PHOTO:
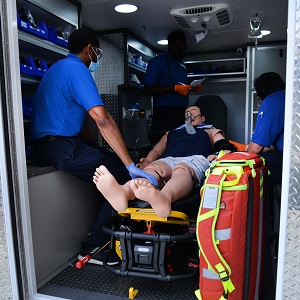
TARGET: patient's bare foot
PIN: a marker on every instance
(146, 191)
(115, 194)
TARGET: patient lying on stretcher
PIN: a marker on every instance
(178, 162)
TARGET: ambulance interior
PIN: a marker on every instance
(224, 46)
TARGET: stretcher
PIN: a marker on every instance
(154, 247)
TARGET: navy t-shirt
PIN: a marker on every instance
(182, 144)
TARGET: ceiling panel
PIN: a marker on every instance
(152, 21)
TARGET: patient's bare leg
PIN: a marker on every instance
(117, 195)
(179, 186)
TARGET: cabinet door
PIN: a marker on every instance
(216, 67)
(264, 59)
(136, 118)
(269, 59)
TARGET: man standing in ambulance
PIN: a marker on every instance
(66, 93)
(166, 81)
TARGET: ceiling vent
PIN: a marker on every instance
(205, 16)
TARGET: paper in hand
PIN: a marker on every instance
(197, 82)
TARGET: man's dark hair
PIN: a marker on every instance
(80, 38)
(197, 105)
(176, 35)
(268, 83)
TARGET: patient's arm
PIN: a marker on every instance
(155, 153)
(215, 135)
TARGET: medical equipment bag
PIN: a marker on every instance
(231, 228)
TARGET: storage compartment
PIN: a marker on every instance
(138, 56)
(54, 37)
(218, 67)
(41, 29)
(136, 116)
(27, 65)
(63, 209)
(41, 67)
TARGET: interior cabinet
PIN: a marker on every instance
(43, 32)
(38, 50)
(216, 67)
(136, 107)
(123, 95)
(138, 56)
(261, 60)
(136, 116)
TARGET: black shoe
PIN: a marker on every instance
(105, 255)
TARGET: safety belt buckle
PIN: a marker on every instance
(223, 278)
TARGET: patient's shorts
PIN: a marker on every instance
(198, 162)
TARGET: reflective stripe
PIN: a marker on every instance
(210, 274)
(261, 207)
(198, 294)
(223, 234)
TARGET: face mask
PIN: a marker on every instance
(93, 65)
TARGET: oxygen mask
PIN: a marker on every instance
(193, 117)
(188, 126)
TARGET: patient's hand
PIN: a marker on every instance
(139, 164)
(212, 157)
(143, 163)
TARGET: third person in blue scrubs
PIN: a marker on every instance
(166, 81)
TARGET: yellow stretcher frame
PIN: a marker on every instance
(148, 214)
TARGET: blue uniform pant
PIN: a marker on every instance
(80, 158)
(273, 161)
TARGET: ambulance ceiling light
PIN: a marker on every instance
(194, 20)
(163, 42)
(265, 32)
(206, 18)
(126, 8)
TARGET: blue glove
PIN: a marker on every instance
(135, 172)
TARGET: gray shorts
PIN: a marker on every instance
(198, 162)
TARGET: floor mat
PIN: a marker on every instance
(102, 283)
(94, 282)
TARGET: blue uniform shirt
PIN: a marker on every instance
(66, 92)
(270, 121)
(164, 70)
